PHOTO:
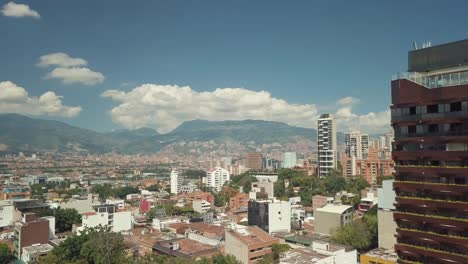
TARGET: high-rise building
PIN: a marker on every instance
(326, 141)
(216, 178)
(31, 230)
(289, 160)
(356, 145)
(176, 181)
(430, 119)
(364, 145)
(255, 161)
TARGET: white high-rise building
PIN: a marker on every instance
(216, 178)
(289, 160)
(327, 152)
(356, 145)
(176, 181)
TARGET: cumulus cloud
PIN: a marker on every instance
(60, 59)
(76, 75)
(164, 107)
(12, 9)
(15, 99)
(349, 100)
(69, 70)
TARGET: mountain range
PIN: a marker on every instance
(197, 137)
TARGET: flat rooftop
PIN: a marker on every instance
(382, 253)
(302, 256)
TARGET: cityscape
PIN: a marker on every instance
(201, 143)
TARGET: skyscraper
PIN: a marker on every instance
(326, 142)
(356, 145)
(430, 120)
(176, 181)
(216, 178)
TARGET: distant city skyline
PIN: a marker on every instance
(110, 65)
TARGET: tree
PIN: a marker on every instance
(361, 234)
(103, 190)
(153, 188)
(228, 259)
(65, 218)
(278, 249)
(6, 256)
(95, 245)
(334, 184)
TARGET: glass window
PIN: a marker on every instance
(431, 109)
(455, 107)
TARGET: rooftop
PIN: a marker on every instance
(334, 208)
(302, 256)
(382, 254)
(187, 248)
(38, 248)
(253, 235)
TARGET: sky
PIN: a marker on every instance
(107, 65)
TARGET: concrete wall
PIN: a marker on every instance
(387, 229)
(122, 221)
(236, 248)
(279, 218)
(326, 222)
(386, 195)
(7, 215)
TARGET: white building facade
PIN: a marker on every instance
(176, 181)
(216, 178)
(326, 142)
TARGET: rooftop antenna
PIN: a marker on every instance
(415, 45)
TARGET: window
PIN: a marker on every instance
(412, 110)
(432, 109)
(456, 127)
(455, 107)
(411, 130)
(433, 128)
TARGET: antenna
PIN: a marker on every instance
(415, 45)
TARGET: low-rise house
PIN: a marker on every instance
(201, 206)
(107, 215)
(332, 217)
(248, 245)
(184, 248)
(32, 253)
(29, 231)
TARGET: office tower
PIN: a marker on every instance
(326, 142)
(255, 161)
(176, 181)
(289, 160)
(430, 120)
(216, 178)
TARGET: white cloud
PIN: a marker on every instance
(15, 99)
(164, 107)
(76, 75)
(12, 9)
(69, 70)
(348, 101)
(60, 59)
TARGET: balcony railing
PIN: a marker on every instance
(417, 198)
(459, 256)
(431, 186)
(461, 238)
(434, 81)
(439, 218)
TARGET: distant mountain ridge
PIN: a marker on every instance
(21, 133)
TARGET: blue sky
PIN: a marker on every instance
(309, 56)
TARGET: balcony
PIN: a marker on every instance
(425, 235)
(432, 203)
(434, 81)
(432, 170)
(435, 187)
(456, 223)
(430, 155)
(412, 250)
(432, 117)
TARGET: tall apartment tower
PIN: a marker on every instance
(430, 120)
(357, 145)
(176, 181)
(326, 142)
